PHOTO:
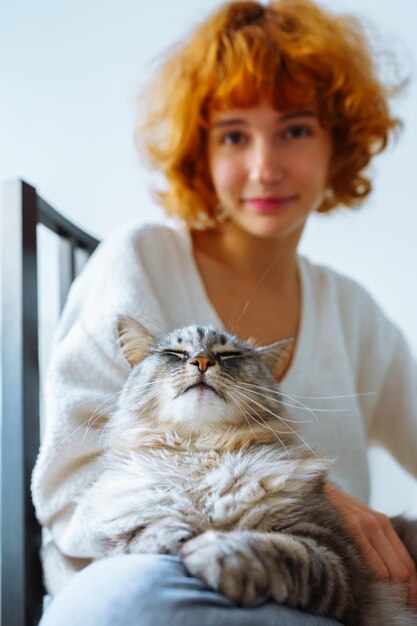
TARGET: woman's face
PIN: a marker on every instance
(269, 169)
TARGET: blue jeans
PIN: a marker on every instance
(155, 590)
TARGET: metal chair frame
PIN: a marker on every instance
(22, 211)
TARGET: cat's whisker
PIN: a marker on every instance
(145, 390)
(252, 410)
(241, 409)
(137, 402)
(97, 413)
(283, 419)
(299, 405)
(102, 434)
(339, 397)
(95, 417)
(112, 396)
(250, 390)
(70, 434)
(106, 397)
(145, 402)
(279, 417)
(146, 387)
(146, 405)
(228, 382)
(267, 426)
(85, 423)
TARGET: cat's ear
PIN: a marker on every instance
(135, 340)
(277, 356)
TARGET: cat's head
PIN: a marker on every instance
(198, 378)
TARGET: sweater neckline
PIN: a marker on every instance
(300, 352)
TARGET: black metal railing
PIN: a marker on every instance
(23, 210)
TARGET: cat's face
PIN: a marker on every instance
(194, 378)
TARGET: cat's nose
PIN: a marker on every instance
(203, 362)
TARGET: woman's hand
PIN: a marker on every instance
(382, 549)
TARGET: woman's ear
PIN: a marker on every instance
(134, 339)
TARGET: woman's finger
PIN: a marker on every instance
(381, 547)
(386, 555)
(388, 545)
(370, 552)
(399, 562)
(407, 573)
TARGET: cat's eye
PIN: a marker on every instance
(224, 356)
(180, 354)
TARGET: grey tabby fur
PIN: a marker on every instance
(198, 464)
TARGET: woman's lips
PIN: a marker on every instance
(269, 204)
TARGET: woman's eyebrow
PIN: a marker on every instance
(283, 117)
(229, 122)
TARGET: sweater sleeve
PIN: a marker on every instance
(383, 369)
(394, 420)
(84, 377)
(386, 370)
(81, 387)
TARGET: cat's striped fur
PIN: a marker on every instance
(198, 464)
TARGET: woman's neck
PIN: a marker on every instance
(271, 260)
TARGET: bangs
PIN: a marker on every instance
(251, 67)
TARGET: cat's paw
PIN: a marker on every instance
(165, 536)
(227, 563)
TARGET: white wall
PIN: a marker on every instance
(70, 75)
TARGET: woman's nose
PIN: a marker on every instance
(266, 167)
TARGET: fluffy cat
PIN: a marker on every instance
(198, 464)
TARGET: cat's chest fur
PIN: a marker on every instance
(246, 489)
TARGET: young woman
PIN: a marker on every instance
(263, 116)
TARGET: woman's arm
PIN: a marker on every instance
(85, 375)
(81, 389)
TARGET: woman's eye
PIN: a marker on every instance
(233, 138)
(297, 132)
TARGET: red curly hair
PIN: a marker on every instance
(295, 54)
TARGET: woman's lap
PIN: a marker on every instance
(153, 590)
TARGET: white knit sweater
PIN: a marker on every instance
(351, 365)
